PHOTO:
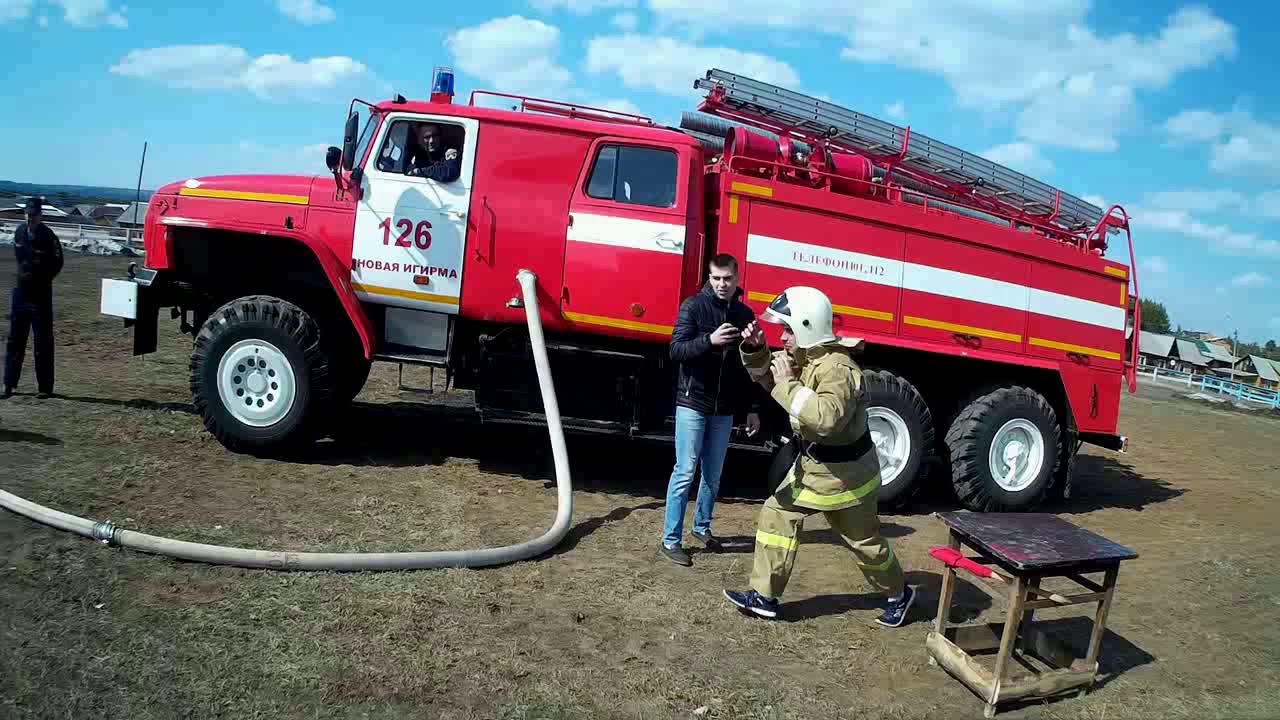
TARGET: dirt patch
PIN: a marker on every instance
(600, 628)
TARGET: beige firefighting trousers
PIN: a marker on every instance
(778, 540)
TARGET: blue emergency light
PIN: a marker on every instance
(442, 85)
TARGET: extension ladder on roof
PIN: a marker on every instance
(951, 170)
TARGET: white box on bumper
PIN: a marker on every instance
(120, 298)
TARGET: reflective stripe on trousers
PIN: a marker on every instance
(778, 541)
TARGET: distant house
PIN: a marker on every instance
(1190, 358)
(1170, 353)
(1217, 356)
(133, 215)
(1154, 350)
(16, 210)
(1267, 371)
(97, 214)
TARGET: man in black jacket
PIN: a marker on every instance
(429, 158)
(39, 254)
(711, 388)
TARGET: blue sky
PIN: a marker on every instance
(1168, 110)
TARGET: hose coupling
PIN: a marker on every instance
(104, 532)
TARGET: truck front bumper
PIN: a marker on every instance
(136, 299)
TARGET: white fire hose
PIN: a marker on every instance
(108, 533)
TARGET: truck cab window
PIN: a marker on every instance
(429, 150)
(634, 176)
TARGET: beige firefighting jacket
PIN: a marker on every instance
(826, 403)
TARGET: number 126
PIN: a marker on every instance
(421, 234)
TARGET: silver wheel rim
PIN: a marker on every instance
(892, 440)
(1017, 454)
(256, 383)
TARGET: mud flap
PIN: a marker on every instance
(146, 327)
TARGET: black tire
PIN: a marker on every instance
(297, 336)
(969, 441)
(351, 374)
(892, 392)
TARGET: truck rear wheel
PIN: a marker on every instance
(1005, 448)
(901, 427)
(259, 377)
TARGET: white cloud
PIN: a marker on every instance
(225, 67)
(626, 22)
(255, 157)
(619, 105)
(1021, 156)
(581, 7)
(896, 111)
(669, 66)
(1195, 126)
(307, 12)
(1096, 200)
(1155, 265)
(1250, 280)
(92, 13)
(1219, 237)
(1196, 200)
(513, 54)
(14, 10)
(1268, 204)
(1070, 84)
(1239, 143)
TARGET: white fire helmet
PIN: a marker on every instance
(806, 311)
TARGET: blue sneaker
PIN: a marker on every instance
(896, 611)
(754, 602)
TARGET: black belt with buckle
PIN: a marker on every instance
(839, 453)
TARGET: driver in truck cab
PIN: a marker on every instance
(429, 159)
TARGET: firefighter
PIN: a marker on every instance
(39, 255)
(835, 470)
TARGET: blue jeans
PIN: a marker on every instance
(702, 438)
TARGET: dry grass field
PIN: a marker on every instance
(601, 628)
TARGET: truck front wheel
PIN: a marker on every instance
(259, 377)
(1004, 450)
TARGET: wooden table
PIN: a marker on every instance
(1024, 549)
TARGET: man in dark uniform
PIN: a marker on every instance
(429, 159)
(39, 254)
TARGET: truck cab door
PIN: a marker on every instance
(625, 241)
(410, 231)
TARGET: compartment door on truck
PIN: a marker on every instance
(624, 249)
(411, 227)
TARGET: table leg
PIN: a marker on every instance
(948, 590)
(1028, 618)
(1100, 621)
(1012, 620)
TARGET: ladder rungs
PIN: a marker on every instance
(873, 135)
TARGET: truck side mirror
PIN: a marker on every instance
(332, 157)
(349, 141)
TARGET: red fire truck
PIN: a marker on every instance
(997, 333)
